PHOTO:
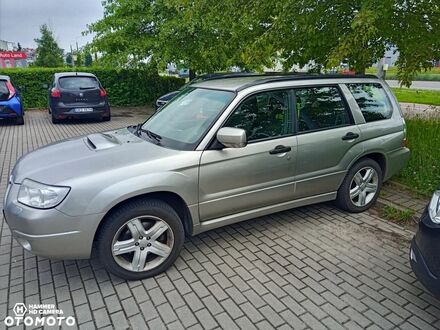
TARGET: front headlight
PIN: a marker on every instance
(41, 196)
(434, 207)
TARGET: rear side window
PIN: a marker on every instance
(372, 100)
(78, 83)
(4, 91)
(319, 108)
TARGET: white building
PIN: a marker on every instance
(7, 45)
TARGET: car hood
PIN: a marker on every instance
(59, 162)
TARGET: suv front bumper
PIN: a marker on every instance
(50, 233)
(425, 255)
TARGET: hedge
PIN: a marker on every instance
(126, 87)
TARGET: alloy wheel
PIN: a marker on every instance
(142, 243)
(364, 186)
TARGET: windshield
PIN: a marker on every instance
(182, 123)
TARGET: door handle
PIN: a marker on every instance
(280, 150)
(350, 136)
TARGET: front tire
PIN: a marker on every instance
(140, 239)
(361, 186)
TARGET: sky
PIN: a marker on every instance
(20, 20)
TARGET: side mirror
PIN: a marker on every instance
(45, 86)
(232, 137)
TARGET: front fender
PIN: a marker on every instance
(96, 198)
(175, 182)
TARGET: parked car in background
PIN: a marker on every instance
(183, 73)
(425, 247)
(77, 95)
(164, 99)
(222, 151)
(11, 106)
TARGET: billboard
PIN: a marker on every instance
(12, 59)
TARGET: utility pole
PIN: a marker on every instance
(71, 55)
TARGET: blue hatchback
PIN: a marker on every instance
(11, 106)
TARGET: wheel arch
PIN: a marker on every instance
(171, 198)
(378, 157)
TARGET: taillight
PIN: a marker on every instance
(102, 92)
(11, 89)
(55, 92)
(405, 139)
(405, 142)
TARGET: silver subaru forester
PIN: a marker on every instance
(223, 150)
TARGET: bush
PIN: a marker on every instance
(127, 87)
(422, 174)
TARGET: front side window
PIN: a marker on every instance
(183, 122)
(372, 101)
(319, 108)
(264, 115)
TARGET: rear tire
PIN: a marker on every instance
(140, 239)
(361, 186)
(107, 118)
(54, 120)
(19, 120)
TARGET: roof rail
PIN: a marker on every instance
(212, 76)
(298, 76)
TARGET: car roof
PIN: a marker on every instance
(73, 74)
(3, 77)
(238, 82)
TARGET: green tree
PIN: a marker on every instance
(88, 60)
(210, 35)
(49, 54)
(69, 59)
(79, 60)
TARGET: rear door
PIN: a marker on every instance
(327, 139)
(79, 90)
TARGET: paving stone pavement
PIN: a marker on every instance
(314, 267)
(398, 196)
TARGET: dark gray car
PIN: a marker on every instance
(222, 151)
(77, 95)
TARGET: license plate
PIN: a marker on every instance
(83, 110)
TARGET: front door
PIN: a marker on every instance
(234, 180)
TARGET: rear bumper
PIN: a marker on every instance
(62, 112)
(396, 160)
(425, 255)
(11, 108)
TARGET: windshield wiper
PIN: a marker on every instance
(91, 87)
(150, 134)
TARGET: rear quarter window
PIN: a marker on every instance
(78, 83)
(372, 100)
